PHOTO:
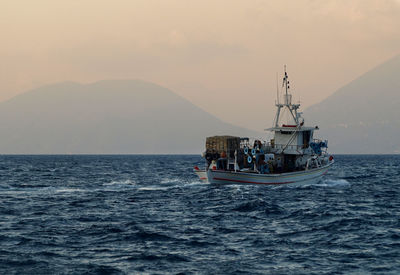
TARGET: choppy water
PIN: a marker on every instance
(151, 215)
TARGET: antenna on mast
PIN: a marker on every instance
(285, 80)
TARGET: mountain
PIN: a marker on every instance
(106, 117)
(363, 116)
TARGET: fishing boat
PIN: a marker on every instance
(292, 156)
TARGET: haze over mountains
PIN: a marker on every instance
(106, 117)
(133, 116)
(363, 116)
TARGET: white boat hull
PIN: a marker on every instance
(202, 174)
(310, 176)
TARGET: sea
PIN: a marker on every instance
(150, 214)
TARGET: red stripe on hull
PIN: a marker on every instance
(242, 181)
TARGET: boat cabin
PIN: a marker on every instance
(291, 140)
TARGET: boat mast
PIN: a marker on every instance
(287, 102)
(277, 103)
(288, 99)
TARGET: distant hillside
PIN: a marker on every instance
(363, 116)
(112, 117)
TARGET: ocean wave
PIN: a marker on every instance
(334, 183)
(154, 188)
(69, 190)
(170, 180)
(120, 183)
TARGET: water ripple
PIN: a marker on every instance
(152, 215)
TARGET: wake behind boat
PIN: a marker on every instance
(291, 156)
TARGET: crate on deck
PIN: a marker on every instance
(221, 144)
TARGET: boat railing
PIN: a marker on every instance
(273, 147)
(270, 147)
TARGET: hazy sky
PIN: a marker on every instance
(223, 55)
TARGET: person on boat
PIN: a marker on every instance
(262, 166)
(214, 155)
(257, 144)
(270, 164)
(279, 165)
(209, 158)
(240, 159)
(258, 155)
(222, 161)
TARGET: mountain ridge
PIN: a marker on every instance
(106, 117)
(363, 116)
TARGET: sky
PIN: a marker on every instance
(222, 55)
